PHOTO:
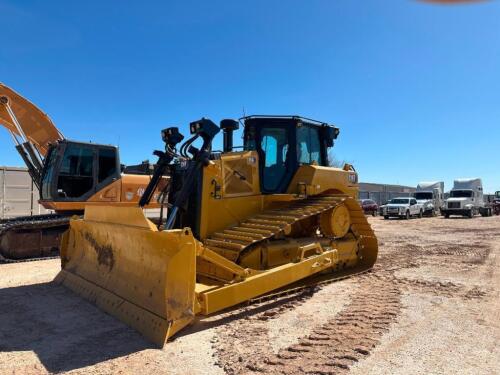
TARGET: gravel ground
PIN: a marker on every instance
(429, 306)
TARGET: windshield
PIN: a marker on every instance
(308, 145)
(399, 201)
(423, 195)
(47, 176)
(76, 172)
(461, 193)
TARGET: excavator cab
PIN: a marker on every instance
(70, 175)
(74, 171)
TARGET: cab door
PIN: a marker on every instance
(277, 164)
(414, 208)
(76, 173)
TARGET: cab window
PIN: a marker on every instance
(76, 173)
(107, 164)
(308, 145)
(48, 173)
(274, 145)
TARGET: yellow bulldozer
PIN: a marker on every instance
(240, 224)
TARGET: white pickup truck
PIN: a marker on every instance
(403, 207)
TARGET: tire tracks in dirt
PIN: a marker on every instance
(330, 348)
(242, 346)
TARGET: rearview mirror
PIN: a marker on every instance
(330, 133)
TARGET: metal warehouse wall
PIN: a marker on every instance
(18, 194)
(381, 193)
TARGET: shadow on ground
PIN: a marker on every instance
(64, 331)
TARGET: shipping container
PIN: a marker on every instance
(18, 194)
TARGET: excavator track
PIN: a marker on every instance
(30, 238)
(234, 241)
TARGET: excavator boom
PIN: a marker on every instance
(25, 120)
(31, 129)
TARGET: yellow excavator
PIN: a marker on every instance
(69, 175)
(240, 224)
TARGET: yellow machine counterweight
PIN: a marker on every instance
(240, 225)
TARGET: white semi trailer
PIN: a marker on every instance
(466, 199)
(431, 196)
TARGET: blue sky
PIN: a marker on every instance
(414, 87)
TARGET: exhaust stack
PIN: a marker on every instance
(228, 126)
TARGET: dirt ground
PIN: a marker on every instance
(431, 305)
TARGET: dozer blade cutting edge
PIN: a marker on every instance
(117, 259)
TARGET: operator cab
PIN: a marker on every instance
(284, 143)
(74, 171)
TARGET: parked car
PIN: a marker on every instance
(403, 207)
(369, 206)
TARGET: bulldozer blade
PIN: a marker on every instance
(118, 260)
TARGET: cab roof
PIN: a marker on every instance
(284, 118)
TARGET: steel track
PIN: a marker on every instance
(10, 261)
(275, 219)
(35, 223)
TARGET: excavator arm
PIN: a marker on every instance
(31, 129)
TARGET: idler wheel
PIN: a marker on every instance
(335, 222)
